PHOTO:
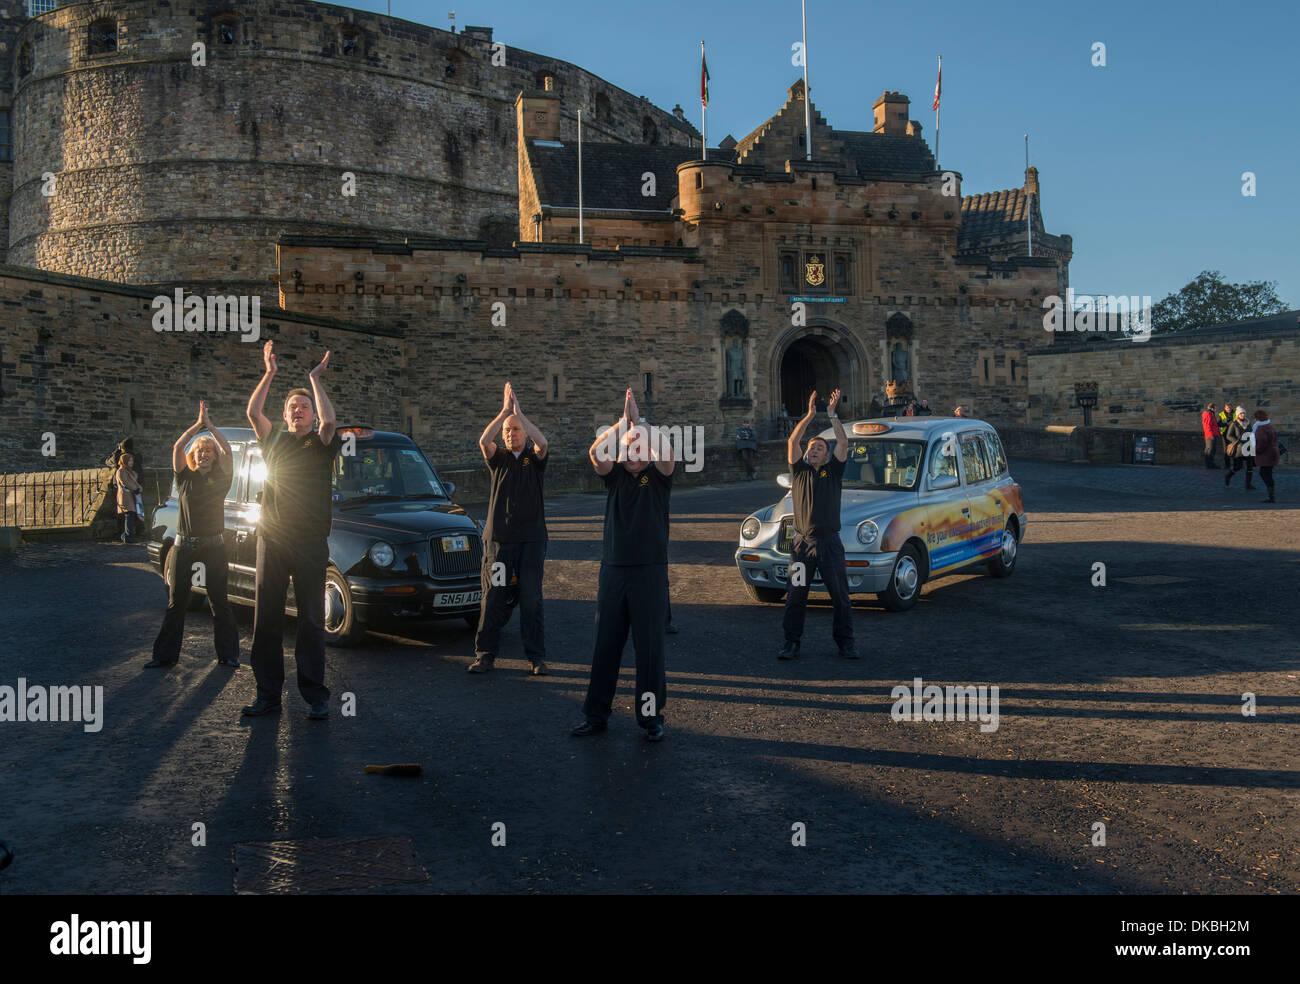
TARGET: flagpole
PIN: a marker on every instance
(579, 177)
(938, 93)
(807, 96)
(704, 112)
(1029, 203)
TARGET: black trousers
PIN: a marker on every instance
(305, 562)
(225, 634)
(1209, 451)
(825, 554)
(1266, 473)
(522, 565)
(1235, 465)
(634, 598)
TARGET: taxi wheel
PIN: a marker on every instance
(904, 581)
(342, 628)
(1004, 561)
(764, 596)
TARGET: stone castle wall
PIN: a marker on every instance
(1164, 383)
(172, 173)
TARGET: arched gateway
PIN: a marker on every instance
(820, 356)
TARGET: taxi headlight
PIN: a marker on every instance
(868, 533)
(749, 528)
(381, 554)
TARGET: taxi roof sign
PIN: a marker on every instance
(360, 433)
(871, 428)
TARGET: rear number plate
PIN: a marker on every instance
(451, 544)
(455, 599)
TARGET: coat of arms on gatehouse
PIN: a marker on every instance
(815, 271)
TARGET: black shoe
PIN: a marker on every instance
(319, 711)
(232, 663)
(849, 652)
(482, 664)
(589, 727)
(259, 707)
(1249, 486)
(670, 629)
(541, 669)
(789, 651)
(1227, 479)
(655, 732)
(158, 664)
(1270, 499)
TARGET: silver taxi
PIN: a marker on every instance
(922, 497)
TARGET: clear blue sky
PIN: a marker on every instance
(1140, 161)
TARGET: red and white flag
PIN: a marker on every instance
(938, 84)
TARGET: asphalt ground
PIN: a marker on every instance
(1119, 705)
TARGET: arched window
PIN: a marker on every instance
(103, 37)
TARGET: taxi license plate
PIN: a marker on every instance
(455, 599)
(782, 572)
(452, 544)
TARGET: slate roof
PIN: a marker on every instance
(998, 218)
(611, 174)
(885, 153)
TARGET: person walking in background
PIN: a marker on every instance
(1224, 419)
(1266, 450)
(1210, 429)
(128, 495)
(1248, 448)
(1236, 448)
(923, 409)
(747, 444)
(203, 477)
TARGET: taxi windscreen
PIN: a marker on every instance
(387, 471)
(880, 463)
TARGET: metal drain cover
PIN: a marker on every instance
(325, 864)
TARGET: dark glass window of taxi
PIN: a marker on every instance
(882, 464)
(384, 472)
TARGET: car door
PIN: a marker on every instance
(984, 518)
(245, 514)
(231, 510)
(945, 510)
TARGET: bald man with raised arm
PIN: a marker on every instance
(815, 483)
(514, 536)
(636, 464)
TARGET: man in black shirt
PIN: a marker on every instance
(202, 482)
(815, 482)
(292, 539)
(633, 588)
(514, 538)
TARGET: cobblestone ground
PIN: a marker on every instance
(1120, 705)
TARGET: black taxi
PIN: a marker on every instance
(399, 547)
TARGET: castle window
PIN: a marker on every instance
(787, 263)
(1013, 370)
(6, 137)
(699, 179)
(224, 27)
(35, 7)
(649, 131)
(350, 44)
(103, 37)
(986, 370)
(25, 60)
(649, 380)
(603, 112)
(555, 387)
(843, 272)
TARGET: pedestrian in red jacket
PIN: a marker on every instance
(1210, 428)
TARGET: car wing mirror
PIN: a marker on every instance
(941, 482)
(783, 480)
(451, 488)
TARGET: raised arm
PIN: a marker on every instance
(222, 444)
(178, 449)
(530, 428)
(841, 439)
(604, 450)
(661, 451)
(262, 426)
(487, 441)
(792, 451)
(324, 409)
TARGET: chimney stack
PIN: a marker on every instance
(891, 113)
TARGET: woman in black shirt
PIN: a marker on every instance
(199, 556)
